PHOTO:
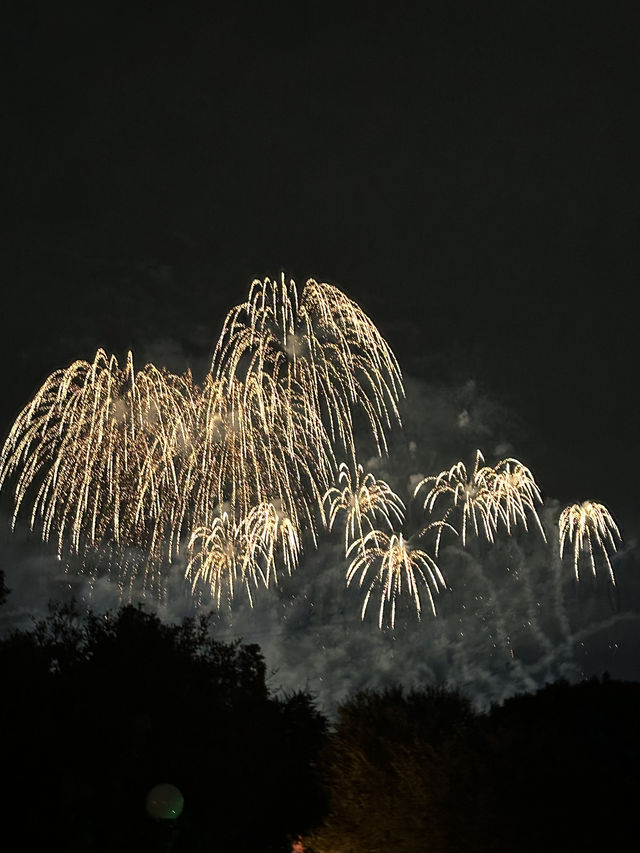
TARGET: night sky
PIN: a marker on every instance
(469, 177)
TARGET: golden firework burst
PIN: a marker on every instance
(223, 555)
(586, 525)
(487, 497)
(362, 498)
(517, 493)
(320, 348)
(250, 449)
(278, 538)
(472, 495)
(394, 561)
(102, 448)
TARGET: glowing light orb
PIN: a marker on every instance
(164, 802)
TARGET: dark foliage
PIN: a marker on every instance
(394, 768)
(554, 770)
(97, 711)
(565, 765)
(4, 590)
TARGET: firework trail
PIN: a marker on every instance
(129, 466)
(132, 464)
(393, 559)
(361, 498)
(102, 448)
(489, 496)
(320, 349)
(584, 525)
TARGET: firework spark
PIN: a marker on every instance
(473, 495)
(321, 349)
(585, 525)
(394, 561)
(223, 555)
(489, 496)
(102, 446)
(362, 499)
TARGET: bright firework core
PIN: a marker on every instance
(238, 470)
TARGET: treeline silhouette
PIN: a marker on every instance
(554, 770)
(99, 709)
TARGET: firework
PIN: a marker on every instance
(278, 538)
(320, 349)
(251, 449)
(517, 493)
(222, 556)
(245, 552)
(474, 496)
(585, 525)
(129, 465)
(394, 562)
(489, 496)
(362, 499)
(132, 464)
(102, 447)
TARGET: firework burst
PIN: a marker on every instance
(394, 562)
(224, 555)
(320, 349)
(278, 538)
(362, 498)
(488, 497)
(472, 496)
(249, 450)
(586, 525)
(102, 447)
(517, 493)
(128, 466)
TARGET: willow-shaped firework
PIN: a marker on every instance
(517, 493)
(362, 499)
(132, 464)
(251, 449)
(222, 556)
(584, 525)
(474, 496)
(279, 539)
(246, 552)
(102, 447)
(321, 349)
(489, 496)
(394, 562)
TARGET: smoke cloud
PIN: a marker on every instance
(511, 619)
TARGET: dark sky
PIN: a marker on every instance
(468, 176)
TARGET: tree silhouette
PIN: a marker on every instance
(391, 768)
(565, 766)
(97, 710)
(553, 770)
(4, 590)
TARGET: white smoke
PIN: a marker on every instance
(511, 619)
